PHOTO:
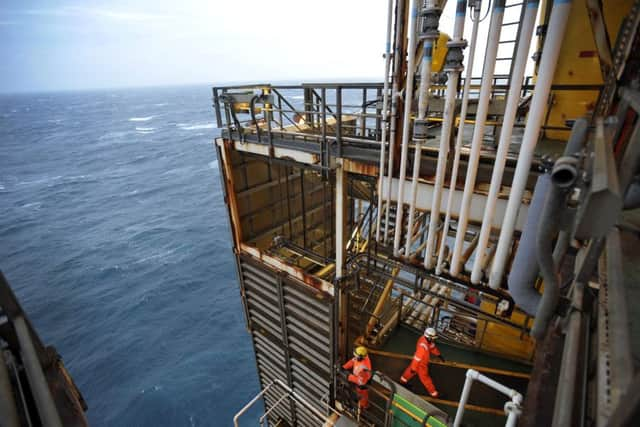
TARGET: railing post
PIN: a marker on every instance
(378, 115)
(216, 104)
(363, 123)
(339, 120)
(324, 144)
(227, 115)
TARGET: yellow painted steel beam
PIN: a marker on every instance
(380, 305)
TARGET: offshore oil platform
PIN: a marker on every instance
(497, 215)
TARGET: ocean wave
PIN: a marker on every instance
(140, 119)
(162, 104)
(35, 206)
(185, 126)
(213, 164)
(144, 130)
(41, 180)
(156, 256)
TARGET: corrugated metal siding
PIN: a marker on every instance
(291, 325)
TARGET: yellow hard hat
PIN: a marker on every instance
(360, 351)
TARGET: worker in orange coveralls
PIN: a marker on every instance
(361, 374)
(425, 348)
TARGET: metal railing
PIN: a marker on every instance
(459, 322)
(286, 393)
(331, 115)
(328, 115)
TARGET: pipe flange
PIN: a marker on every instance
(460, 44)
(429, 35)
(565, 172)
(453, 61)
(512, 408)
(420, 129)
(430, 20)
(425, 11)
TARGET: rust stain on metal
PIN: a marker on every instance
(360, 168)
(295, 272)
(231, 192)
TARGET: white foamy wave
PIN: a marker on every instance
(35, 206)
(2, 187)
(145, 130)
(140, 119)
(44, 180)
(297, 97)
(159, 255)
(185, 126)
(162, 104)
(213, 164)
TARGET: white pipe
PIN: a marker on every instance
(406, 125)
(394, 112)
(550, 53)
(458, 149)
(526, 31)
(445, 134)
(512, 408)
(250, 404)
(423, 103)
(478, 132)
(434, 218)
(385, 116)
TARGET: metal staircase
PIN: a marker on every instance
(509, 42)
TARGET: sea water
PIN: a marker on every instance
(115, 237)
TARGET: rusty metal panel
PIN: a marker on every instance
(291, 324)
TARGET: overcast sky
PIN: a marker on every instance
(70, 44)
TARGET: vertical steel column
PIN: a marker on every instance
(340, 196)
(478, 132)
(304, 210)
(463, 116)
(342, 295)
(406, 125)
(526, 31)
(550, 53)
